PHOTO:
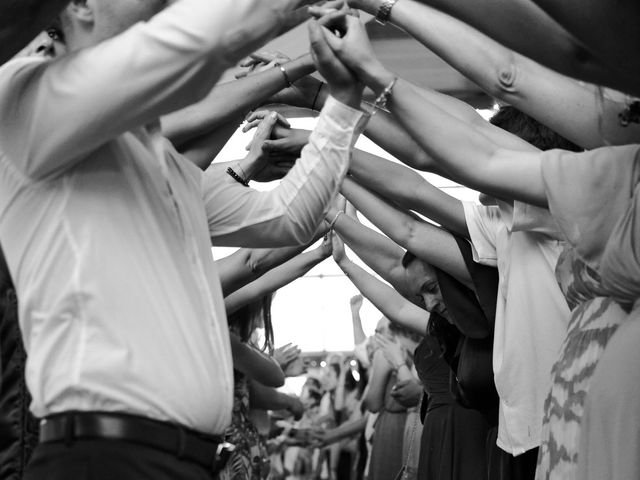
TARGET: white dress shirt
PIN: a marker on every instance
(107, 229)
(531, 314)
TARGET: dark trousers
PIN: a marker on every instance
(109, 460)
(504, 466)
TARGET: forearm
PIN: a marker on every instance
(227, 101)
(249, 264)
(393, 305)
(290, 213)
(273, 279)
(204, 149)
(151, 69)
(346, 430)
(408, 189)
(22, 20)
(377, 251)
(564, 105)
(266, 398)
(526, 28)
(255, 364)
(358, 332)
(466, 155)
(426, 241)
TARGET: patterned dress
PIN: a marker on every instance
(249, 460)
(587, 197)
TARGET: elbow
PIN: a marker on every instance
(506, 75)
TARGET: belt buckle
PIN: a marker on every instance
(223, 452)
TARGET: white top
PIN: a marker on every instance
(531, 317)
(106, 233)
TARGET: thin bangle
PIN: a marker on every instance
(284, 74)
(335, 219)
(315, 99)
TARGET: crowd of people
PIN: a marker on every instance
(508, 347)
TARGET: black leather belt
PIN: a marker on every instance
(209, 451)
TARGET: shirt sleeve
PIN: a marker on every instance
(482, 223)
(55, 112)
(523, 217)
(290, 213)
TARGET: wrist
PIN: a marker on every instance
(351, 97)
(376, 76)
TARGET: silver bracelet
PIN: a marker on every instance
(335, 219)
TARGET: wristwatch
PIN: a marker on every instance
(384, 11)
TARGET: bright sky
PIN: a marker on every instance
(313, 311)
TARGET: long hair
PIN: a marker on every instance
(245, 320)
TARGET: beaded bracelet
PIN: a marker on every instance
(237, 177)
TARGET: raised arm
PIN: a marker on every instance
(608, 28)
(255, 364)
(132, 79)
(380, 253)
(248, 264)
(277, 277)
(393, 305)
(230, 101)
(529, 30)
(426, 241)
(409, 190)
(568, 107)
(22, 20)
(290, 213)
(355, 304)
(465, 154)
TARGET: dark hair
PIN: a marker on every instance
(405, 332)
(514, 121)
(245, 320)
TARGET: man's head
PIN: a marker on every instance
(522, 125)
(426, 287)
(85, 23)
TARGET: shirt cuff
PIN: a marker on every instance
(342, 122)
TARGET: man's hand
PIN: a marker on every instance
(343, 83)
(407, 392)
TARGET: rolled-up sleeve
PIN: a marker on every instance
(290, 213)
(55, 112)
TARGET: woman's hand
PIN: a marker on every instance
(260, 61)
(339, 253)
(343, 83)
(286, 354)
(392, 350)
(356, 303)
(354, 49)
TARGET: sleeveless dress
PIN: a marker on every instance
(388, 435)
(453, 438)
(588, 193)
